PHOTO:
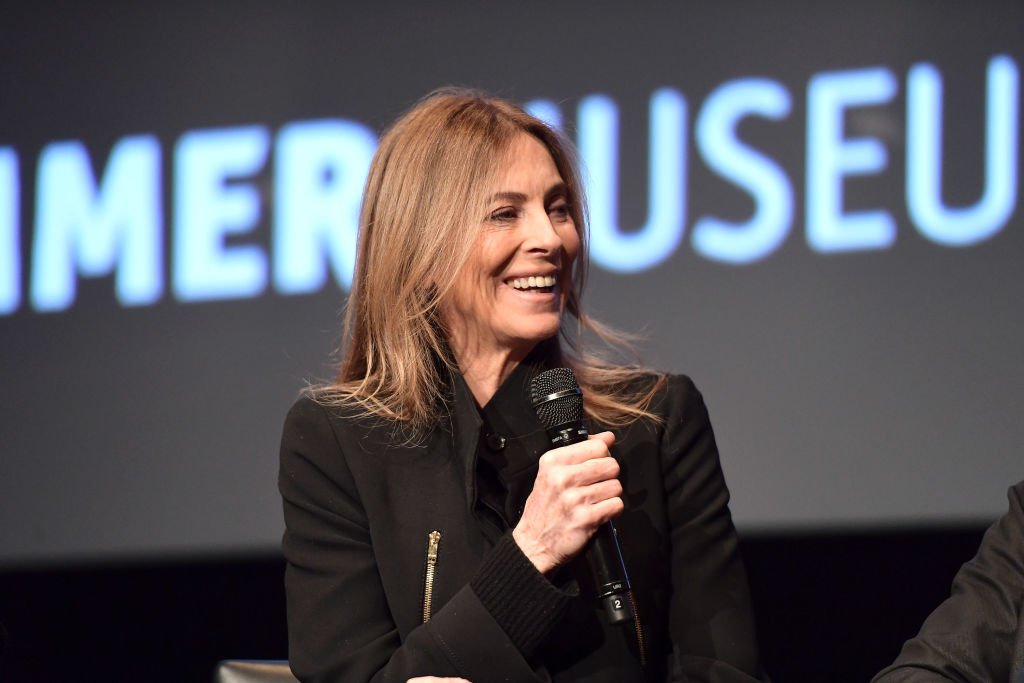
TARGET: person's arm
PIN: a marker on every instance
(339, 624)
(711, 620)
(976, 634)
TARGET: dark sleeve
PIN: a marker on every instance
(339, 624)
(977, 633)
(711, 619)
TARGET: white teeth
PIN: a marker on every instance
(533, 282)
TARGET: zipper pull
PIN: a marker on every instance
(433, 540)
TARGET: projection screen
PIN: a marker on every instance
(810, 208)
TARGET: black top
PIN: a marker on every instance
(506, 464)
(361, 501)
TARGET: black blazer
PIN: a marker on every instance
(977, 634)
(360, 503)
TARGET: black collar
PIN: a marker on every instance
(509, 407)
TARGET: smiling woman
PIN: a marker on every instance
(432, 530)
(511, 292)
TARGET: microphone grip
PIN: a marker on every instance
(602, 552)
(610, 580)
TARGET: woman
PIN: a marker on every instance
(432, 531)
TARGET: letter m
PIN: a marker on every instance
(82, 229)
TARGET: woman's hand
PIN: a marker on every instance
(576, 491)
(435, 679)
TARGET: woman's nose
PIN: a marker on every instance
(542, 233)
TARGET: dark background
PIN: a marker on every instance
(866, 403)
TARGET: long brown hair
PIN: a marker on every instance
(425, 193)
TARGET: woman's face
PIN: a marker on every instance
(511, 292)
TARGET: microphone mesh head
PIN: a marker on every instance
(559, 411)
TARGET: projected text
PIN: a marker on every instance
(112, 222)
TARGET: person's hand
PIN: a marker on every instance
(576, 491)
(435, 679)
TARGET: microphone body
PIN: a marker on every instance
(557, 398)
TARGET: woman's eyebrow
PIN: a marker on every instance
(514, 197)
(556, 190)
(559, 188)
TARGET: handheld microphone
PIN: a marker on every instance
(557, 398)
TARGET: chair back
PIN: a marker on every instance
(253, 671)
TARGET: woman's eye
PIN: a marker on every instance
(504, 215)
(560, 211)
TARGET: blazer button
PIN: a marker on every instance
(495, 442)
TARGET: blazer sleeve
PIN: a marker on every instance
(711, 618)
(339, 624)
(977, 634)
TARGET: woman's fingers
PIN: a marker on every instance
(568, 475)
(606, 510)
(596, 446)
(600, 492)
(575, 491)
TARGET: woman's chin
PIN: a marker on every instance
(534, 334)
